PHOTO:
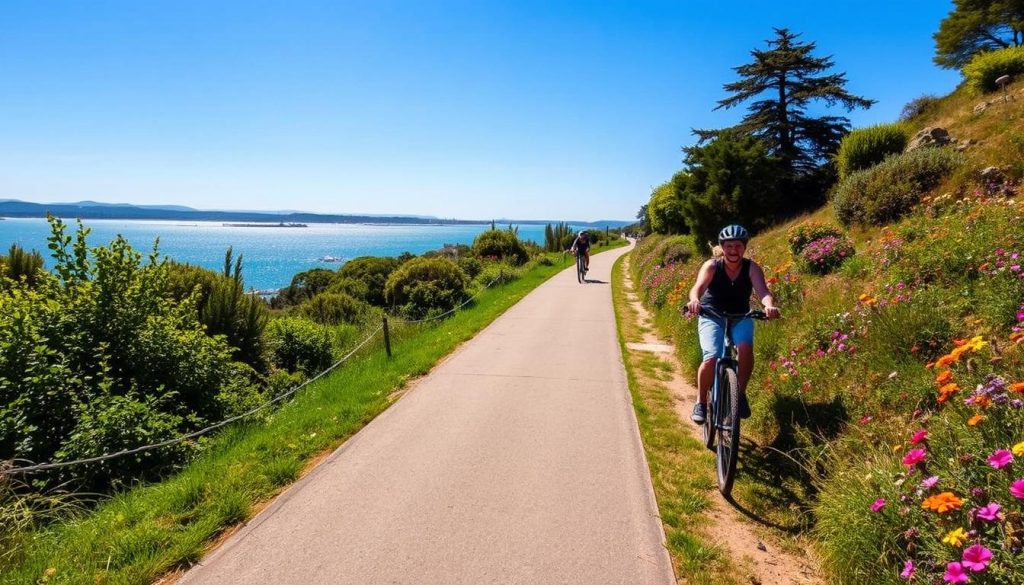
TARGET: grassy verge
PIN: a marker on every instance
(680, 466)
(143, 533)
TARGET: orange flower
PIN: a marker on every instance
(1017, 337)
(1017, 387)
(942, 503)
(944, 377)
(974, 420)
(946, 391)
(983, 266)
(946, 360)
(982, 401)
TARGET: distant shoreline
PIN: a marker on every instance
(280, 224)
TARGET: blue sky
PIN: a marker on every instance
(468, 109)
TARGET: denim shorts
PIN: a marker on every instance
(712, 334)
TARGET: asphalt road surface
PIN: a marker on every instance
(516, 460)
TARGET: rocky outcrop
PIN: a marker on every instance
(929, 137)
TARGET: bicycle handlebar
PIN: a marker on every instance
(753, 314)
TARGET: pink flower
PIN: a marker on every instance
(908, 570)
(989, 513)
(930, 482)
(914, 456)
(977, 557)
(1017, 489)
(955, 573)
(918, 436)
(878, 505)
(1000, 458)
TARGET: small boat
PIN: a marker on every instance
(331, 259)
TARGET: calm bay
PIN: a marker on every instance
(271, 255)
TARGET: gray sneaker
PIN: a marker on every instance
(700, 412)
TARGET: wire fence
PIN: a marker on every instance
(10, 471)
(141, 449)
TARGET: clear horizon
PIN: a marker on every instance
(456, 109)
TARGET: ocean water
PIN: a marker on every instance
(270, 255)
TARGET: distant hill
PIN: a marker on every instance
(98, 210)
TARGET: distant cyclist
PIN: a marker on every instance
(724, 285)
(581, 245)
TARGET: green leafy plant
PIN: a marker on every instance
(984, 68)
(865, 147)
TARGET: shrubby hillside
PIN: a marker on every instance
(889, 400)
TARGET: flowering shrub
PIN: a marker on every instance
(824, 255)
(805, 233)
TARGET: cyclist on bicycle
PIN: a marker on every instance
(724, 285)
(581, 245)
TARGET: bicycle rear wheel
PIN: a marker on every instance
(727, 423)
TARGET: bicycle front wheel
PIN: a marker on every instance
(727, 425)
(580, 266)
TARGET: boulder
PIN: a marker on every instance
(963, 145)
(981, 107)
(992, 175)
(929, 137)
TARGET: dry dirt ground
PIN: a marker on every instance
(752, 549)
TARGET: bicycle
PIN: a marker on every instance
(723, 417)
(581, 267)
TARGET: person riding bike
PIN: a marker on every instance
(724, 285)
(581, 245)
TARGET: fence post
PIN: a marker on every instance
(387, 336)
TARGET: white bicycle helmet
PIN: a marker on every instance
(734, 232)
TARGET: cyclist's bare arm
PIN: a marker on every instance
(704, 276)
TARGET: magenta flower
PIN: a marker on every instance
(1017, 489)
(914, 456)
(955, 573)
(918, 436)
(989, 513)
(976, 558)
(908, 570)
(930, 482)
(1000, 458)
(878, 504)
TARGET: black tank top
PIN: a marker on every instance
(729, 296)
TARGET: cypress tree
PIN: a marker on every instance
(792, 77)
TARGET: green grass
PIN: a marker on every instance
(681, 467)
(140, 534)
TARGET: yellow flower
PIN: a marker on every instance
(897, 448)
(1018, 449)
(955, 537)
(783, 376)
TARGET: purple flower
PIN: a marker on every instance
(878, 504)
(908, 570)
(989, 513)
(930, 482)
(976, 558)
(955, 573)
(1017, 489)
(1000, 458)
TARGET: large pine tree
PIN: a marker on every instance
(791, 78)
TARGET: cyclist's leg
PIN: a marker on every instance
(711, 334)
(743, 337)
(586, 266)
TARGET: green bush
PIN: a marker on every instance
(334, 309)
(889, 190)
(425, 286)
(373, 272)
(470, 265)
(111, 423)
(20, 265)
(866, 147)
(920, 106)
(983, 70)
(304, 286)
(501, 245)
(807, 232)
(356, 289)
(299, 345)
(497, 273)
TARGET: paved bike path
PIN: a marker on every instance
(516, 460)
